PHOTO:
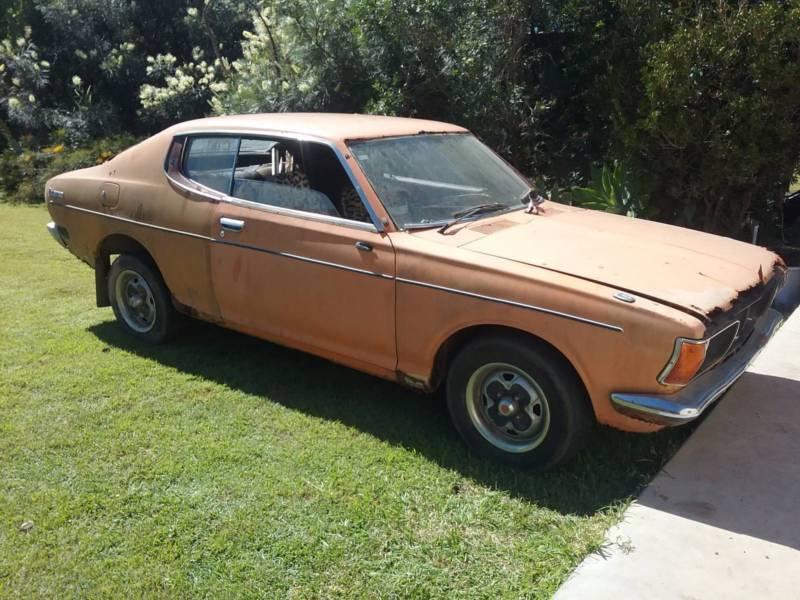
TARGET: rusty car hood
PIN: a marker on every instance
(698, 272)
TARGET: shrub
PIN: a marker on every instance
(24, 174)
(300, 56)
(104, 46)
(22, 77)
(717, 131)
(698, 99)
(612, 189)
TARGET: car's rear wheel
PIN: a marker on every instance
(518, 402)
(140, 299)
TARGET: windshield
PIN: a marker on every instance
(429, 179)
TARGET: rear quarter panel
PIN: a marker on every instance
(178, 243)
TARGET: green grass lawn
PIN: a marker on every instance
(221, 465)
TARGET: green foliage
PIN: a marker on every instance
(23, 174)
(105, 46)
(698, 99)
(301, 56)
(393, 57)
(22, 77)
(612, 189)
(717, 128)
(179, 87)
(180, 92)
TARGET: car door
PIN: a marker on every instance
(287, 264)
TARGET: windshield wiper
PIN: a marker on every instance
(480, 209)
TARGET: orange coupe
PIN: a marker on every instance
(409, 250)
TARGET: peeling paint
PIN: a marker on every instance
(698, 273)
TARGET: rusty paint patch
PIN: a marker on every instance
(494, 226)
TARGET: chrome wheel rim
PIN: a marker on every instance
(507, 407)
(135, 301)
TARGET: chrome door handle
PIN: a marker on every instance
(364, 246)
(231, 224)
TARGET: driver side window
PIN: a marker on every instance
(303, 176)
(272, 172)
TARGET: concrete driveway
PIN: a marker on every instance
(722, 520)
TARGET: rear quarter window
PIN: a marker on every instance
(210, 160)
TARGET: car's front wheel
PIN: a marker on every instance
(140, 299)
(518, 402)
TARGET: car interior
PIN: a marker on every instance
(304, 176)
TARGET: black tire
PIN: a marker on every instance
(165, 319)
(553, 436)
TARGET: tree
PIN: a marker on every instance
(717, 130)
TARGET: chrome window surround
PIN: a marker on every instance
(376, 225)
(676, 353)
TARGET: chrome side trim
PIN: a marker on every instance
(300, 214)
(225, 242)
(196, 188)
(133, 222)
(692, 400)
(377, 224)
(541, 309)
(513, 303)
(307, 259)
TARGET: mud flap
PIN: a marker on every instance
(101, 269)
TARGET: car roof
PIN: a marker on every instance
(330, 126)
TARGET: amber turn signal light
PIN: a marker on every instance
(685, 363)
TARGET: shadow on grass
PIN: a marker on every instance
(613, 468)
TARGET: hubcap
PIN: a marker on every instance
(135, 301)
(507, 407)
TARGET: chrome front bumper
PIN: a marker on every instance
(690, 402)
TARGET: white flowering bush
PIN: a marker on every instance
(180, 91)
(298, 56)
(100, 81)
(22, 76)
(115, 61)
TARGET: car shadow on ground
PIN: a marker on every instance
(612, 469)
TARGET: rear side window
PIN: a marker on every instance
(210, 160)
(279, 172)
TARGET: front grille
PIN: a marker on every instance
(739, 322)
(719, 345)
